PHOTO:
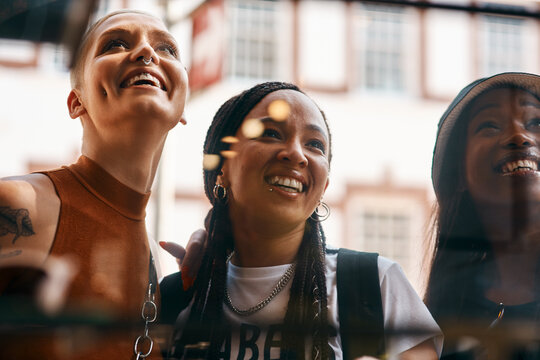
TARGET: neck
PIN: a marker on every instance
(135, 166)
(512, 227)
(516, 278)
(128, 147)
(514, 234)
(258, 245)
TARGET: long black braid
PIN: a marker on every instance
(308, 304)
(307, 307)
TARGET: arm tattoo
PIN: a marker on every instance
(15, 221)
(9, 254)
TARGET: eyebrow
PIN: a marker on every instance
(495, 105)
(314, 127)
(485, 107)
(530, 103)
(114, 32)
(125, 32)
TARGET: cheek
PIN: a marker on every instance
(239, 170)
(184, 76)
(95, 76)
(320, 173)
(102, 66)
(478, 163)
(469, 166)
(322, 170)
(178, 75)
(252, 163)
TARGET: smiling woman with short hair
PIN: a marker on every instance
(129, 89)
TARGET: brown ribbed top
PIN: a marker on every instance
(101, 228)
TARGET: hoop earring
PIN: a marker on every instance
(321, 215)
(220, 193)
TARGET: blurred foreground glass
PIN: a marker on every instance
(56, 21)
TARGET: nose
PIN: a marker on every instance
(293, 152)
(144, 51)
(517, 137)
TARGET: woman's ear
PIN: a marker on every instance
(75, 105)
(222, 179)
(327, 183)
(325, 187)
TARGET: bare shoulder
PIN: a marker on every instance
(29, 209)
(423, 351)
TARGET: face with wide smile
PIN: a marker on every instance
(281, 174)
(118, 85)
(502, 152)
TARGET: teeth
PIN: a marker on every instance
(520, 165)
(287, 184)
(143, 76)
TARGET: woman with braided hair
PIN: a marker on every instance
(267, 286)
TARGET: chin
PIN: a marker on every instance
(508, 198)
(290, 218)
(154, 111)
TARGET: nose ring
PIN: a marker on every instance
(146, 61)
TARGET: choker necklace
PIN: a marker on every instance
(276, 290)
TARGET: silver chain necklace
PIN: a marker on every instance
(282, 282)
(148, 313)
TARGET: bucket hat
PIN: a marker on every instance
(443, 165)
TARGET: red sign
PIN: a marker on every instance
(208, 39)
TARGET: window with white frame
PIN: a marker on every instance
(379, 47)
(385, 231)
(252, 39)
(501, 44)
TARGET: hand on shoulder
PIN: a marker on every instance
(188, 259)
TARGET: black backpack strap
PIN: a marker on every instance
(361, 319)
(173, 298)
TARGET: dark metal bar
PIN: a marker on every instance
(492, 9)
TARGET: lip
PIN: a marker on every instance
(513, 157)
(142, 70)
(288, 174)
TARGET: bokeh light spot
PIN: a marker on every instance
(229, 139)
(279, 110)
(252, 128)
(228, 154)
(210, 161)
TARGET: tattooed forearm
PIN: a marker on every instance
(15, 221)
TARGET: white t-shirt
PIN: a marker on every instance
(257, 336)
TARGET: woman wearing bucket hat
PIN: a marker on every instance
(485, 273)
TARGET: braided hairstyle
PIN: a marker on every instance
(307, 313)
